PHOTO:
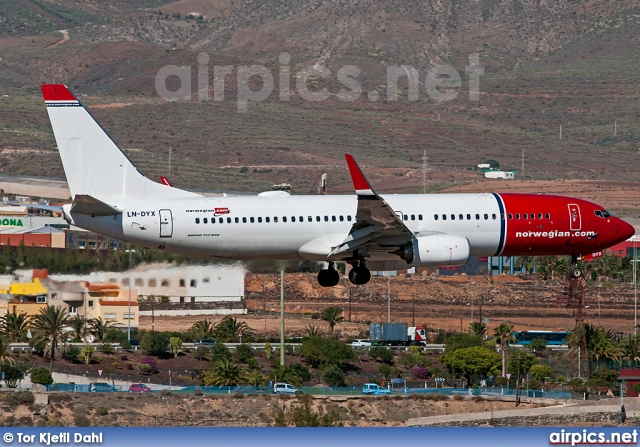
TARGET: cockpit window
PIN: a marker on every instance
(602, 213)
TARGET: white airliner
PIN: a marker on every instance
(366, 230)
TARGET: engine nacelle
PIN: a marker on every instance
(437, 249)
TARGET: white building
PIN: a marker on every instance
(179, 290)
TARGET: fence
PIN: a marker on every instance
(326, 391)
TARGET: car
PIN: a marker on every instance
(284, 388)
(375, 389)
(101, 387)
(206, 342)
(139, 388)
(360, 343)
(133, 342)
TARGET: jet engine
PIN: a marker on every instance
(435, 250)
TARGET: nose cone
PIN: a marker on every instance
(625, 230)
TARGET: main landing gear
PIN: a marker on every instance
(575, 271)
(359, 274)
(329, 277)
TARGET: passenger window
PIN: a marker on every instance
(267, 219)
(333, 218)
(317, 218)
(453, 217)
(228, 220)
(341, 218)
(221, 220)
(477, 216)
(510, 216)
(413, 217)
(460, 216)
(405, 217)
(293, 218)
(310, 219)
(533, 216)
(326, 218)
(502, 216)
(213, 220)
(237, 219)
(486, 217)
(197, 220)
(300, 219)
(244, 220)
(548, 216)
(540, 216)
(419, 216)
(468, 216)
(517, 216)
(275, 219)
(493, 216)
(259, 219)
(205, 220)
(444, 217)
(252, 220)
(349, 218)
(435, 217)
(284, 219)
(525, 216)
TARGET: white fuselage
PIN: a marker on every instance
(288, 227)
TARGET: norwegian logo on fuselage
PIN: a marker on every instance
(141, 213)
(220, 211)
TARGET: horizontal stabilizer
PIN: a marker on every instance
(90, 206)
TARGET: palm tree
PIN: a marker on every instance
(332, 315)
(311, 331)
(256, 378)
(203, 328)
(230, 328)
(285, 374)
(526, 263)
(5, 356)
(631, 350)
(49, 325)
(504, 336)
(478, 328)
(224, 372)
(98, 328)
(80, 327)
(16, 326)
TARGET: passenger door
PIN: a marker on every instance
(575, 220)
(166, 223)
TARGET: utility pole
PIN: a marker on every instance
(388, 299)
(561, 132)
(424, 172)
(522, 166)
(413, 320)
(282, 317)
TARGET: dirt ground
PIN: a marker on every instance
(145, 410)
(448, 303)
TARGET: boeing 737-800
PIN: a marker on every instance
(367, 230)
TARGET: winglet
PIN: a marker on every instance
(360, 182)
(57, 93)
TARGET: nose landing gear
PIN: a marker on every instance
(575, 271)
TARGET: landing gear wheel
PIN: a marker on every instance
(359, 275)
(328, 277)
(575, 272)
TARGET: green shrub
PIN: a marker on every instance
(87, 354)
(155, 343)
(41, 375)
(333, 376)
(70, 353)
(380, 353)
(244, 353)
(102, 411)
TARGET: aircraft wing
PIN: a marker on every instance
(377, 225)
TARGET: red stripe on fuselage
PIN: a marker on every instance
(539, 225)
